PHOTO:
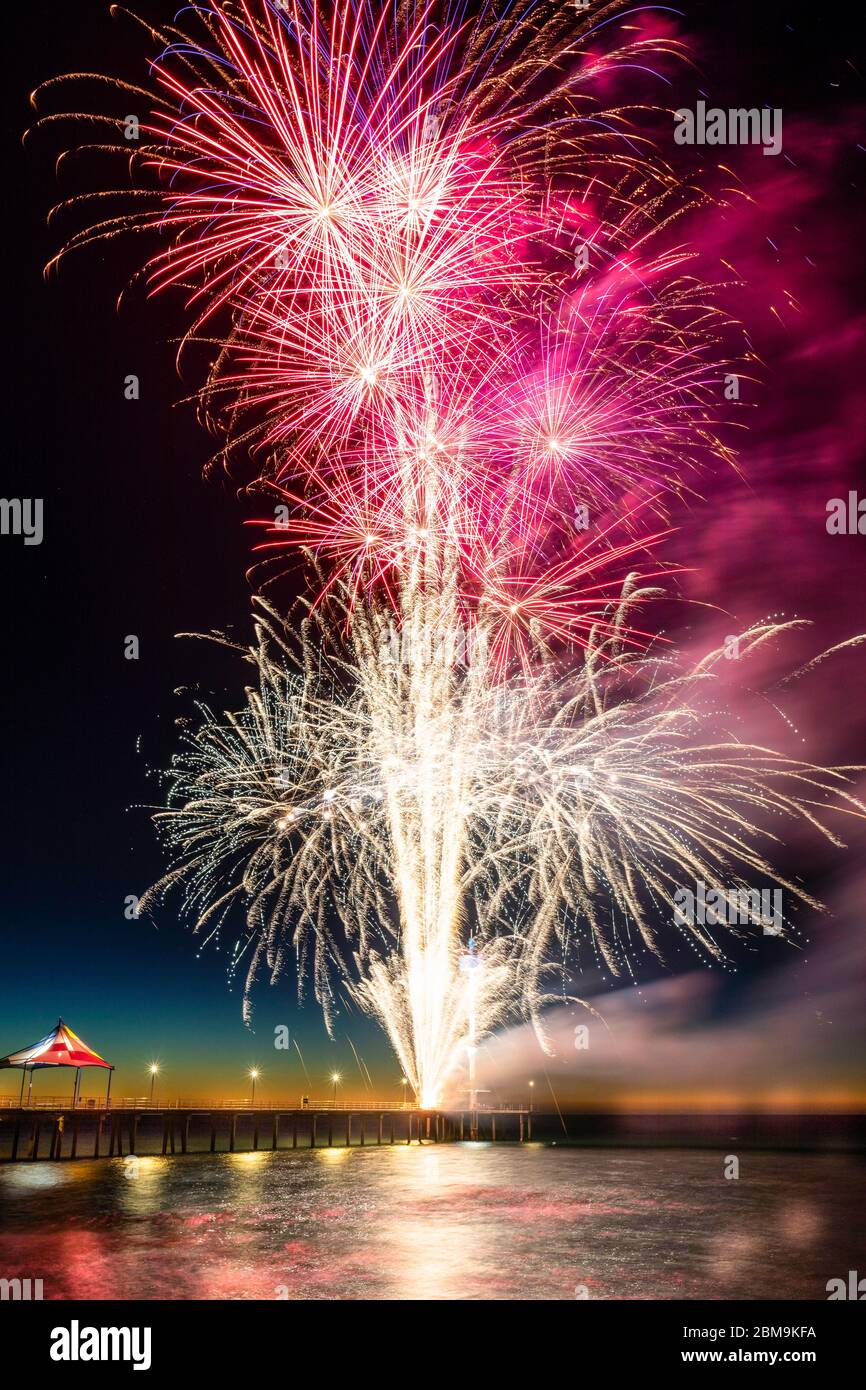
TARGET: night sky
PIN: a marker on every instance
(138, 542)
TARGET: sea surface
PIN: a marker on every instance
(450, 1221)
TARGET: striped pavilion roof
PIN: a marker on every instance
(59, 1048)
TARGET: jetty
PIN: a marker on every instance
(56, 1131)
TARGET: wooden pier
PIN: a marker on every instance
(59, 1133)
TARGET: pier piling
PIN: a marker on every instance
(169, 1130)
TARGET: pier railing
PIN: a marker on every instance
(196, 1103)
(11, 1102)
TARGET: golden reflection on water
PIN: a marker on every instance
(252, 1158)
(333, 1157)
(439, 1222)
(145, 1180)
(430, 1239)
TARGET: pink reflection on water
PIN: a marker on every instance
(454, 1222)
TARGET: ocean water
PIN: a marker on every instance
(451, 1221)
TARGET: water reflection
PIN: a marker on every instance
(456, 1221)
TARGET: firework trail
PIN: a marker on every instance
(447, 313)
(528, 813)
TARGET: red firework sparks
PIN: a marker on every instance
(460, 332)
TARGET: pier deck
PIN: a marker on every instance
(61, 1132)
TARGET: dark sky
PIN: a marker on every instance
(136, 542)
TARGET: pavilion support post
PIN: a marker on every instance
(21, 1096)
(108, 1089)
(76, 1087)
(30, 1086)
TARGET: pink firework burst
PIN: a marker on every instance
(450, 311)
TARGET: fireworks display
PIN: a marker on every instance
(452, 317)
